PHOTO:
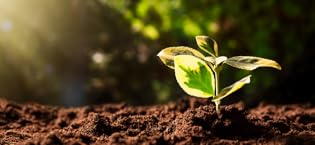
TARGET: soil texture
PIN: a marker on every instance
(188, 121)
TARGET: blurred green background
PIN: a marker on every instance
(76, 52)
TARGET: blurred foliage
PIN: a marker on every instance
(80, 52)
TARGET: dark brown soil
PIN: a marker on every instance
(189, 121)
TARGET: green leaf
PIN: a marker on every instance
(194, 76)
(167, 55)
(232, 88)
(251, 62)
(208, 45)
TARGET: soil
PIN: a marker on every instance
(188, 121)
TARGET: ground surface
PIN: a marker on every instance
(189, 121)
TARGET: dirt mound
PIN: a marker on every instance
(189, 121)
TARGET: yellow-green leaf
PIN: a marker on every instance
(208, 45)
(232, 88)
(219, 60)
(215, 61)
(167, 55)
(194, 76)
(251, 62)
(210, 59)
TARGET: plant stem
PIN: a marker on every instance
(217, 104)
(216, 91)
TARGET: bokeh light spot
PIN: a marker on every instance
(6, 26)
(98, 57)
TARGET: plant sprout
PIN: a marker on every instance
(198, 75)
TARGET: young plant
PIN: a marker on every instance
(198, 75)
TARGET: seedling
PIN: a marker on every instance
(198, 75)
